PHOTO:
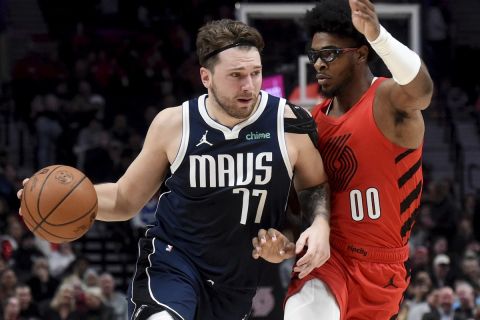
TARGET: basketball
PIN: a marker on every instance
(59, 204)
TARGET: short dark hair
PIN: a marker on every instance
(335, 17)
(225, 33)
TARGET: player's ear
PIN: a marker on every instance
(205, 76)
(362, 53)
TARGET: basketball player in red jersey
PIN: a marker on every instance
(370, 137)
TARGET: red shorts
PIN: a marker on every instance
(368, 283)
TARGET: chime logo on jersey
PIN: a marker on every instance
(230, 170)
(257, 135)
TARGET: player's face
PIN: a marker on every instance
(235, 83)
(334, 63)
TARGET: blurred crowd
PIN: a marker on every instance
(88, 103)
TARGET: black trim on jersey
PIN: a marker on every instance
(294, 218)
(403, 155)
(410, 172)
(146, 312)
(408, 269)
(145, 306)
(405, 204)
(304, 123)
(293, 202)
(407, 225)
(408, 274)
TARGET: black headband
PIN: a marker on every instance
(232, 45)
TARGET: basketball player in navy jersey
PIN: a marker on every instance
(232, 166)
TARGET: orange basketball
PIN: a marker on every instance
(59, 204)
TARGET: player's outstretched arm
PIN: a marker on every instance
(123, 199)
(314, 196)
(411, 87)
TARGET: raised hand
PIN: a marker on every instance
(273, 246)
(365, 19)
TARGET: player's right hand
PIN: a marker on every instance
(365, 18)
(273, 246)
(20, 192)
(315, 239)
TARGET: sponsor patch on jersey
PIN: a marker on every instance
(257, 135)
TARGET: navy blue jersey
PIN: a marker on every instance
(226, 184)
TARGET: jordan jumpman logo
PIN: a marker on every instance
(390, 283)
(204, 140)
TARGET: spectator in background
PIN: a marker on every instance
(121, 130)
(25, 255)
(457, 101)
(8, 283)
(90, 278)
(8, 245)
(28, 308)
(11, 310)
(466, 300)
(114, 299)
(420, 258)
(440, 245)
(96, 309)
(76, 270)
(15, 231)
(421, 232)
(443, 208)
(59, 260)
(470, 201)
(41, 283)
(48, 129)
(465, 235)
(87, 139)
(84, 106)
(417, 311)
(63, 305)
(470, 269)
(444, 309)
(441, 272)
(7, 186)
(98, 161)
(419, 289)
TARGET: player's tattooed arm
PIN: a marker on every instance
(315, 202)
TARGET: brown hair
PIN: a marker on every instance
(219, 35)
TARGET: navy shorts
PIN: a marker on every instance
(166, 279)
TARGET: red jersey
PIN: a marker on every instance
(376, 185)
